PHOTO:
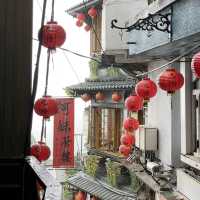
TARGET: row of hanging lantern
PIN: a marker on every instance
(100, 96)
(80, 195)
(82, 17)
(50, 36)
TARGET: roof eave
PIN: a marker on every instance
(78, 8)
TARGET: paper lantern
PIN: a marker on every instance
(127, 139)
(116, 97)
(41, 151)
(46, 107)
(134, 103)
(171, 80)
(124, 150)
(87, 27)
(100, 96)
(196, 65)
(92, 12)
(79, 23)
(146, 89)
(80, 196)
(81, 17)
(52, 35)
(131, 124)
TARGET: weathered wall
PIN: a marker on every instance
(184, 23)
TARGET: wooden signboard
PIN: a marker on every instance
(63, 148)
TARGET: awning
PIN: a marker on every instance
(98, 188)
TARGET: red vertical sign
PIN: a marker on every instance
(63, 148)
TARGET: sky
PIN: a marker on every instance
(61, 73)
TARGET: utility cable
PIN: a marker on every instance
(169, 63)
(75, 53)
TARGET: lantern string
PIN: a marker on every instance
(42, 130)
(169, 63)
(47, 72)
(52, 10)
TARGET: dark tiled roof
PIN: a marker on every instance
(97, 188)
(104, 84)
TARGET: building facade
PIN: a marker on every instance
(143, 37)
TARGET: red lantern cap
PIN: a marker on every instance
(46, 107)
(127, 139)
(81, 17)
(79, 23)
(41, 151)
(131, 124)
(116, 97)
(146, 89)
(52, 35)
(195, 65)
(171, 80)
(134, 103)
(92, 12)
(124, 150)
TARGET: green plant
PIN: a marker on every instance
(91, 164)
(113, 72)
(113, 171)
(93, 69)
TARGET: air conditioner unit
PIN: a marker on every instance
(146, 138)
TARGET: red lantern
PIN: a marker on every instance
(87, 28)
(125, 150)
(146, 89)
(52, 35)
(80, 196)
(46, 107)
(131, 124)
(92, 12)
(86, 97)
(79, 23)
(41, 151)
(116, 97)
(171, 80)
(81, 17)
(196, 65)
(127, 139)
(100, 96)
(134, 103)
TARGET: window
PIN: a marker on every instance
(105, 127)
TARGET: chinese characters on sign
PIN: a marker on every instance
(63, 152)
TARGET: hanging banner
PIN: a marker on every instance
(63, 145)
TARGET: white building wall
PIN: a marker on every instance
(159, 116)
(164, 114)
(124, 11)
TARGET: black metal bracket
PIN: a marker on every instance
(160, 22)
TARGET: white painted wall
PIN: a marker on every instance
(159, 116)
(164, 114)
(124, 11)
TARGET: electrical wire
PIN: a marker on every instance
(169, 63)
(75, 53)
(52, 10)
(72, 67)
